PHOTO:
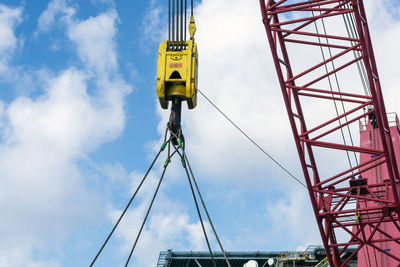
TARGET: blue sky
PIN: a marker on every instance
(80, 123)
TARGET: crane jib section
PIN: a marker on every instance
(347, 146)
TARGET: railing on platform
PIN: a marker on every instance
(393, 120)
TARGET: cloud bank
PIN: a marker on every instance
(44, 196)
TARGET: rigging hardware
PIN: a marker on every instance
(178, 61)
(172, 150)
(176, 82)
(177, 66)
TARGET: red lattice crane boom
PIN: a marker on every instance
(326, 68)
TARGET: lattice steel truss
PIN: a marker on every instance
(350, 207)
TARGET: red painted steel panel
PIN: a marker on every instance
(370, 138)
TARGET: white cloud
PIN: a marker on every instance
(153, 29)
(10, 44)
(94, 38)
(55, 9)
(293, 220)
(55, 118)
(10, 18)
(43, 194)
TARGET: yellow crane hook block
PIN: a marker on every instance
(177, 73)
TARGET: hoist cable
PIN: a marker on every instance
(185, 18)
(352, 33)
(177, 24)
(173, 24)
(205, 209)
(197, 208)
(200, 218)
(252, 141)
(151, 204)
(181, 24)
(129, 203)
(338, 86)
(331, 87)
(256, 144)
(356, 55)
(363, 81)
(339, 89)
(169, 20)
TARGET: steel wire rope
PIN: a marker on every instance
(173, 25)
(177, 24)
(352, 33)
(145, 218)
(185, 18)
(205, 209)
(339, 89)
(169, 21)
(151, 204)
(344, 110)
(183, 155)
(342, 102)
(197, 206)
(362, 73)
(331, 87)
(181, 24)
(255, 143)
(252, 141)
(129, 203)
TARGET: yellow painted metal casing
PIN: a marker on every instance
(177, 74)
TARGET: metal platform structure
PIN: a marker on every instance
(312, 256)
